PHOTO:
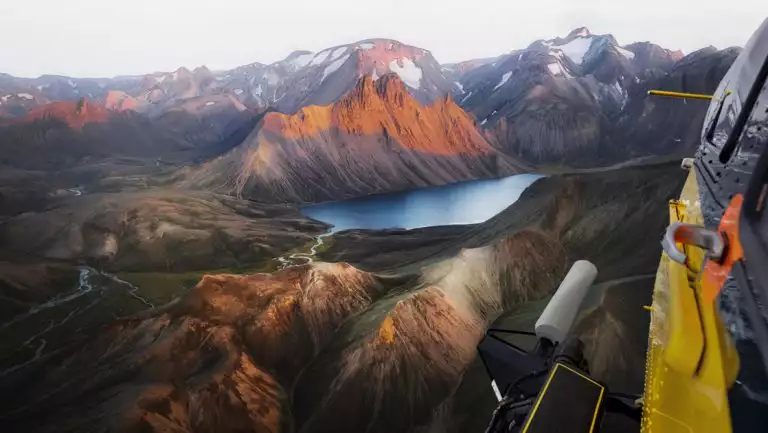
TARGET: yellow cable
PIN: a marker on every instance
(679, 94)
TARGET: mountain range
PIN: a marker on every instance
(369, 117)
(303, 78)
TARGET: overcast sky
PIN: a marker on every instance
(97, 38)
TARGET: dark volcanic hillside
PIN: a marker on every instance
(62, 135)
(376, 139)
(328, 347)
(664, 126)
(68, 147)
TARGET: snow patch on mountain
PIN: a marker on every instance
(334, 66)
(504, 79)
(410, 73)
(25, 96)
(557, 69)
(626, 53)
(367, 45)
(302, 60)
(622, 94)
(461, 88)
(271, 77)
(320, 57)
(338, 52)
(577, 49)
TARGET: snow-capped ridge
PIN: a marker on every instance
(576, 49)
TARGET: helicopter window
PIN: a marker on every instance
(713, 123)
(744, 80)
(717, 125)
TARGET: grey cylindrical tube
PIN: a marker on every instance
(555, 322)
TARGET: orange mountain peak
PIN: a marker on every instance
(74, 113)
(117, 100)
(385, 108)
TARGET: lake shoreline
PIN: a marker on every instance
(461, 203)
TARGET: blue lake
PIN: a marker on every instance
(460, 203)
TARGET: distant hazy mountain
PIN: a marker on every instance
(557, 100)
(303, 78)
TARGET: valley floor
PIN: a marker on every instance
(356, 331)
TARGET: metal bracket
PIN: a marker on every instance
(692, 234)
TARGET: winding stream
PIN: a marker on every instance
(299, 258)
(92, 289)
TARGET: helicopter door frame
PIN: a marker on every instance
(751, 272)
